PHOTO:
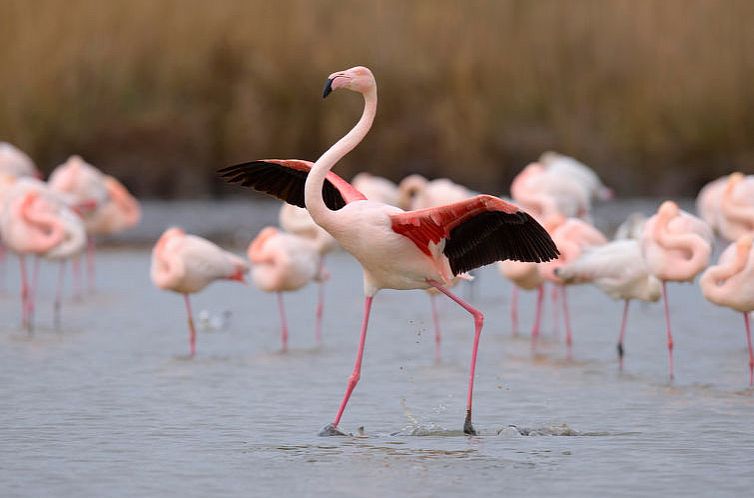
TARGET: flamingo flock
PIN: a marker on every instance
(417, 234)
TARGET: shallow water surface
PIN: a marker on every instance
(110, 405)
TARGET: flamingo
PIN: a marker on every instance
(14, 162)
(186, 264)
(120, 212)
(376, 188)
(524, 276)
(572, 237)
(547, 195)
(708, 201)
(568, 167)
(730, 283)
(619, 270)
(296, 220)
(397, 249)
(736, 207)
(36, 220)
(283, 262)
(87, 188)
(677, 246)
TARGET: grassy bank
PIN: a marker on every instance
(657, 95)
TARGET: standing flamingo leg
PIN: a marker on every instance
(667, 328)
(24, 294)
(319, 312)
(537, 317)
(77, 278)
(59, 295)
(622, 334)
(283, 323)
(555, 311)
(468, 428)
(332, 429)
(567, 319)
(751, 353)
(436, 321)
(514, 310)
(90, 263)
(192, 329)
(32, 293)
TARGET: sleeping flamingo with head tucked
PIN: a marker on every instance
(676, 246)
(730, 283)
(186, 264)
(397, 249)
(283, 262)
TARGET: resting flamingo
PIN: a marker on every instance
(187, 264)
(677, 246)
(14, 162)
(568, 167)
(298, 221)
(36, 221)
(397, 249)
(572, 237)
(86, 187)
(730, 283)
(283, 262)
(736, 208)
(619, 270)
(119, 212)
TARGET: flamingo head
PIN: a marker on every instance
(357, 79)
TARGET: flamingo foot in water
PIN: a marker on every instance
(467, 427)
(331, 430)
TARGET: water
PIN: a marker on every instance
(110, 406)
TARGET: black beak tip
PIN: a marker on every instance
(328, 88)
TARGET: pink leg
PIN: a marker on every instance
(468, 428)
(667, 329)
(436, 321)
(283, 323)
(514, 310)
(24, 293)
(319, 312)
(192, 330)
(555, 310)
(90, 253)
(332, 429)
(537, 317)
(751, 353)
(622, 333)
(567, 319)
(59, 294)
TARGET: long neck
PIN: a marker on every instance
(315, 204)
(736, 212)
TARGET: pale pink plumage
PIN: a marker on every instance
(677, 246)
(14, 162)
(284, 262)
(376, 188)
(730, 283)
(187, 263)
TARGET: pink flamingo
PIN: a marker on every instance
(619, 270)
(572, 237)
(524, 276)
(708, 202)
(119, 212)
(36, 221)
(397, 249)
(187, 263)
(376, 188)
(568, 167)
(296, 220)
(86, 187)
(730, 283)
(677, 246)
(283, 262)
(737, 207)
(14, 162)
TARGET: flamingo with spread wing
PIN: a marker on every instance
(397, 249)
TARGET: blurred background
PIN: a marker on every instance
(656, 95)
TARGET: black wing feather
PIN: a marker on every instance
(493, 236)
(287, 184)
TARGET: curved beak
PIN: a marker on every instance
(328, 88)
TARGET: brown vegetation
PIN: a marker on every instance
(657, 95)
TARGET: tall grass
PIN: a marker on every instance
(657, 95)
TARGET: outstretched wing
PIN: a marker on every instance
(285, 179)
(477, 231)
